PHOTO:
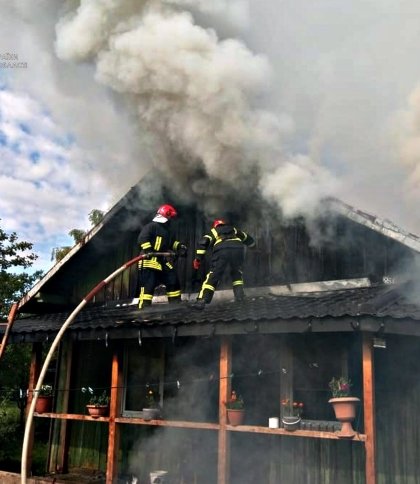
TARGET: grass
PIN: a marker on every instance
(11, 439)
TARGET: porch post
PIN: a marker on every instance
(34, 370)
(369, 408)
(224, 394)
(59, 452)
(114, 410)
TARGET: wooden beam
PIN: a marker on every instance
(369, 407)
(114, 411)
(63, 404)
(10, 320)
(180, 424)
(223, 464)
(34, 370)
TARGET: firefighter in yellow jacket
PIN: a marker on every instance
(153, 271)
(227, 244)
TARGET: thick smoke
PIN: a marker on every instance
(197, 96)
(339, 80)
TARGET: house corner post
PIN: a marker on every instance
(114, 410)
(369, 407)
(224, 393)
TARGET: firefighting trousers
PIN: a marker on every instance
(149, 279)
(222, 259)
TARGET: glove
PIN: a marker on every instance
(196, 264)
(182, 250)
(146, 255)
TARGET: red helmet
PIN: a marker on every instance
(167, 211)
(218, 222)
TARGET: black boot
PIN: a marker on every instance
(238, 292)
(199, 304)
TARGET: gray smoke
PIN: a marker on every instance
(195, 94)
(315, 99)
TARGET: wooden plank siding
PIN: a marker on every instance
(250, 451)
(341, 249)
(196, 449)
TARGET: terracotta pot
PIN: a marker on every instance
(345, 412)
(96, 411)
(235, 416)
(43, 404)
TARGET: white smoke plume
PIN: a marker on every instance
(298, 185)
(334, 75)
(194, 93)
(408, 133)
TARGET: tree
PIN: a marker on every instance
(58, 253)
(14, 253)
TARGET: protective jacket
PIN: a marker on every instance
(227, 243)
(156, 237)
(222, 237)
(153, 271)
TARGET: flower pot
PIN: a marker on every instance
(235, 416)
(151, 413)
(291, 422)
(43, 404)
(96, 411)
(345, 412)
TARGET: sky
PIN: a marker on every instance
(323, 97)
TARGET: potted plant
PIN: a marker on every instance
(151, 410)
(98, 403)
(235, 409)
(291, 414)
(44, 400)
(344, 405)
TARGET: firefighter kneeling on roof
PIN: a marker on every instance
(153, 271)
(227, 243)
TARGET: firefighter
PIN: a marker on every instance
(227, 244)
(153, 271)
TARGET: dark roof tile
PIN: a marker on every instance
(340, 303)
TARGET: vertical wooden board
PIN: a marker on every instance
(92, 368)
(59, 443)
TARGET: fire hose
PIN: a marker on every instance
(66, 324)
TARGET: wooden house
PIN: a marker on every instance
(316, 309)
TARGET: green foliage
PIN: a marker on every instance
(14, 253)
(98, 399)
(235, 402)
(46, 391)
(58, 253)
(96, 216)
(340, 387)
(9, 426)
(14, 367)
